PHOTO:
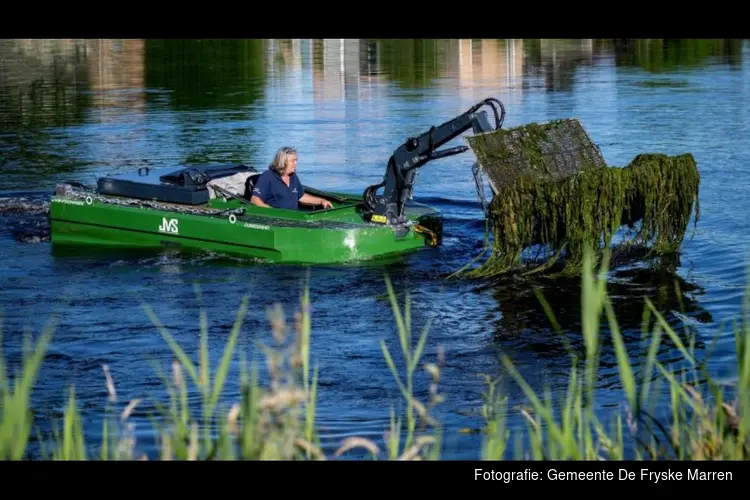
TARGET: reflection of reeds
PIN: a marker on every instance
(277, 421)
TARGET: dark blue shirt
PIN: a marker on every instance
(272, 190)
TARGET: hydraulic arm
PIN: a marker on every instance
(402, 166)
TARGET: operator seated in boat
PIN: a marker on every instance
(280, 187)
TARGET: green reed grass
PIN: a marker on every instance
(702, 424)
(277, 421)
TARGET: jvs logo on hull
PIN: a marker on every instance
(168, 226)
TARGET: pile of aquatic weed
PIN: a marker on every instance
(705, 419)
(554, 192)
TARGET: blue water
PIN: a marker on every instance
(72, 110)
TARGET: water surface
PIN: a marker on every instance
(71, 110)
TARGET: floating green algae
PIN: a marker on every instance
(553, 190)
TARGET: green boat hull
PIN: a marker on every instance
(229, 226)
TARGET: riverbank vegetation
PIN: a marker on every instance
(276, 420)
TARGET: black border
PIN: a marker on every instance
(420, 474)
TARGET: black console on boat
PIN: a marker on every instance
(185, 185)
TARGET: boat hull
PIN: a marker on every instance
(230, 227)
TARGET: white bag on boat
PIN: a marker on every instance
(234, 183)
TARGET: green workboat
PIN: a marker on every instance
(227, 224)
(209, 208)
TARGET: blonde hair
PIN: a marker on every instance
(281, 158)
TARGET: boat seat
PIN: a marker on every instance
(250, 184)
